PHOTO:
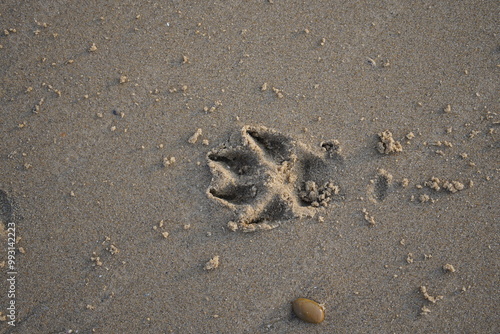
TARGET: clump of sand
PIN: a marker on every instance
(451, 186)
(387, 144)
(213, 263)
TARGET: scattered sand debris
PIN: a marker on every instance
(168, 161)
(424, 198)
(214, 107)
(194, 138)
(332, 148)
(96, 259)
(263, 87)
(3, 317)
(409, 258)
(50, 88)
(90, 307)
(317, 196)
(7, 32)
(278, 92)
(187, 226)
(205, 142)
(425, 310)
(160, 225)
(113, 249)
(447, 109)
(185, 60)
(387, 144)
(451, 186)
(405, 182)
(22, 250)
(449, 268)
(321, 219)
(36, 108)
(123, 79)
(369, 218)
(92, 48)
(322, 42)
(428, 297)
(442, 143)
(212, 264)
(474, 133)
(410, 136)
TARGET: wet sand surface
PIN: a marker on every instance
(124, 211)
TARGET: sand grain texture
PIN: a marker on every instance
(99, 111)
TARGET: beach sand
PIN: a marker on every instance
(137, 135)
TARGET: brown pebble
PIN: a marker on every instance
(308, 310)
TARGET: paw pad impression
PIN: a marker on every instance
(267, 178)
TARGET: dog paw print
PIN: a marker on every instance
(268, 178)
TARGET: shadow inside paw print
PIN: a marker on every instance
(268, 178)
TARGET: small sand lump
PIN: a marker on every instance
(427, 296)
(194, 138)
(93, 48)
(387, 144)
(308, 310)
(213, 263)
(167, 161)
(449, 268)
